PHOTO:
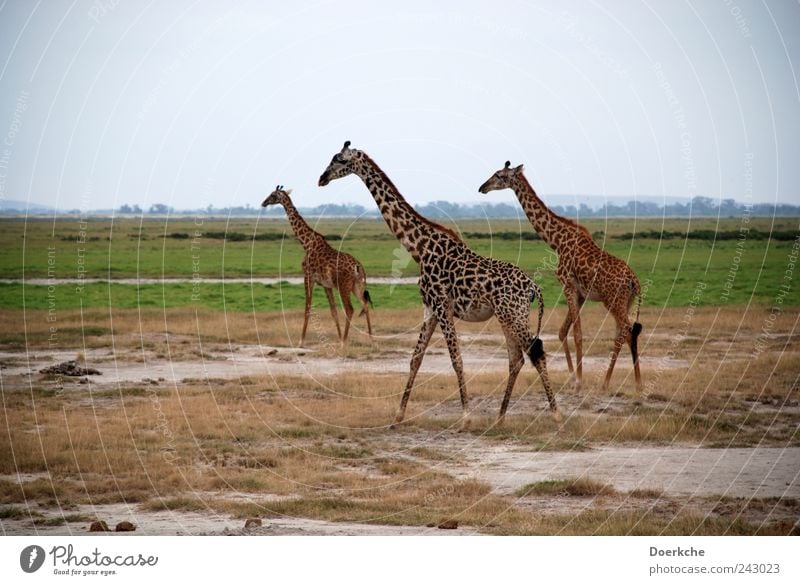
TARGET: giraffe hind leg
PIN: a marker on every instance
(348, 313)
(515, 363)
(636, 329)
(540, 363)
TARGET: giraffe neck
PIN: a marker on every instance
(404, 221)
(558, 232)
(307, 236)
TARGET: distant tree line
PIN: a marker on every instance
(698, 206)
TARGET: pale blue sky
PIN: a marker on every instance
(190, 103)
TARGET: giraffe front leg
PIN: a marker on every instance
(309, 286)
(619, 340)
(334, 312)
(428, 327)
(445, 317)
(563, 336)
(574, 308)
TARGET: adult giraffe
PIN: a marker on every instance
(454, 282)
(585, 271)
(325, 266)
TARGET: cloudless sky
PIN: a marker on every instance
(191, 103)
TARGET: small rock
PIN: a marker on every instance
(154, 382)
(162, 379)
(125, 526)
(83, 381)
(70, 368)
(252, 523)
(431, 525)
(99, 526)
(448, 524)
(272, 352)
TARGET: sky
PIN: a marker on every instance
(197, 103)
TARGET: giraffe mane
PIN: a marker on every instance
(560, 218)
(416, 213)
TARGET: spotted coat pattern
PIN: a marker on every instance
(455, 283)
(325, 266)
(585, 271)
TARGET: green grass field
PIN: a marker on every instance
(185, 247)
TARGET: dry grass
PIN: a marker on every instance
(320, 446)
(579, 487)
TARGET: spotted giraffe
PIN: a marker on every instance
(325, 266)
(455, 283)
(585, 271)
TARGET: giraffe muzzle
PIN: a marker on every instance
(323, 180)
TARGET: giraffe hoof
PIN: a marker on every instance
(557, 415)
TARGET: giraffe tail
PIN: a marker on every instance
(636, 328)
(536, 350)
(367, 301)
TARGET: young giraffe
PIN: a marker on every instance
(454, 282)
(586, 272)
(325, 266)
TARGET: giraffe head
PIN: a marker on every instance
(342, 164)
(278, 197)
(502, 179)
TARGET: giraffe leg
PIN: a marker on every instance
(445, 317)
(574, 304)
(428, 327)
(309, 286)
(563, 336)
(369, 324)
(334, 312)
(633, 341)
(541, 366)
(365, 301)
(623, 335)
(363, 297)
(515, 363)
(348, 312)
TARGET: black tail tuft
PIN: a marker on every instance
(368, 299)
(536, 351)
(635, 331)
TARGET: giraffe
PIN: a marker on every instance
(585, 271)
(454, 282)
(325, 266)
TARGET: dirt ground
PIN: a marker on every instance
(738, 462)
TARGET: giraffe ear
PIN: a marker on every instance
(518, 169)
